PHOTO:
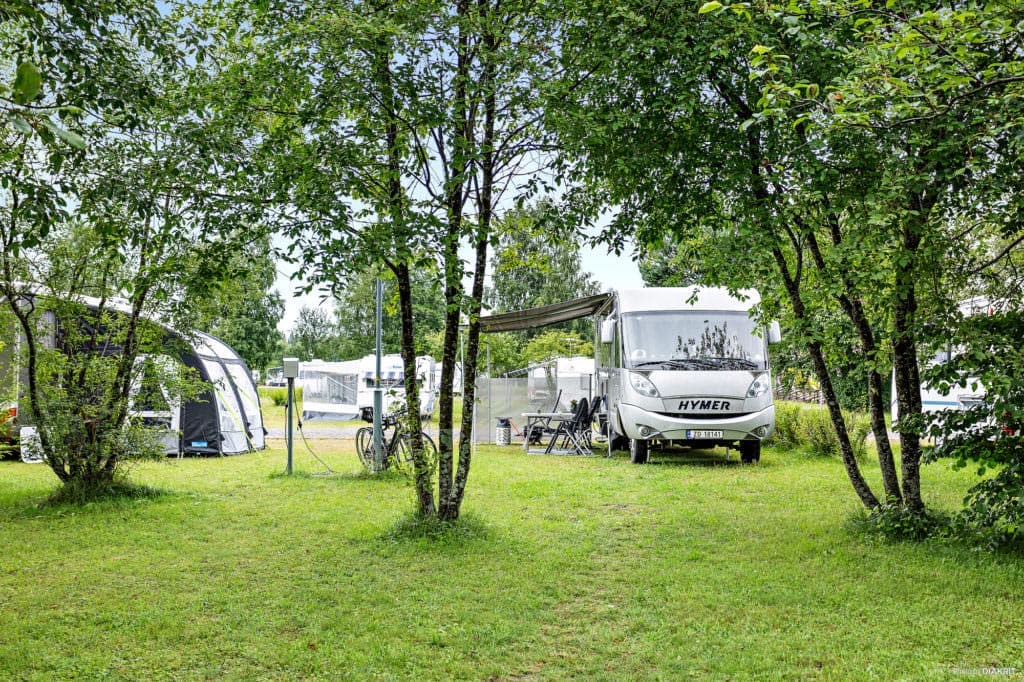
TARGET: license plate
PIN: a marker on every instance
(703, 435)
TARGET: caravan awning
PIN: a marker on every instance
(531, 318)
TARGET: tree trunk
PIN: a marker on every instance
(908, 381)
(854, 309)
(860, 486)
(423, 469)
(485, 211)
(455, 200)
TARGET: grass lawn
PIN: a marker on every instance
(567, 568)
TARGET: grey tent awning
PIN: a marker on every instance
(531, 318)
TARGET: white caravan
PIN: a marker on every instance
(687, 366)
(956, 398)
(344, 390)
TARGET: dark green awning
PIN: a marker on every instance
(531, 318)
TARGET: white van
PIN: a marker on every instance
(685, 366)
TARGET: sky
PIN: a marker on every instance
(610, 272)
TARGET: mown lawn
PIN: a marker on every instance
(567, 568)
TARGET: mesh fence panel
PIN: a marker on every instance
(501, 397)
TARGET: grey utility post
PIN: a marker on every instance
(291, 370)
(378, 399)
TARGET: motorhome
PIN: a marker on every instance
(686, 366)
(683, 366)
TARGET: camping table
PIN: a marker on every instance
(541, 420)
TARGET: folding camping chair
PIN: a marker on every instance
(574, 433)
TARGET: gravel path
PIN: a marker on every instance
(329, 432)
(314, 432)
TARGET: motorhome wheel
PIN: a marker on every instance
(750, 451)
(638, 450)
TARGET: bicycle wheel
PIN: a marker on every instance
(429, 447)
(364, 447)
(403, 452)
(400, 455)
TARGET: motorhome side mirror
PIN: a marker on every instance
(607, 331)
(774, 333)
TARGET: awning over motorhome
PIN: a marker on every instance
(531, 318)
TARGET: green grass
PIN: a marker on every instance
(565, 568)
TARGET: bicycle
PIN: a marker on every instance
(397, 446)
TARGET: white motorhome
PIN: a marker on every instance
(686, 366)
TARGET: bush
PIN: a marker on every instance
(993, 515)
(279, 395)
(816, 432)
(990, 361)
(809, 427)
(787, 425)
(898, 523)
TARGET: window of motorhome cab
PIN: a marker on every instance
(692, 340)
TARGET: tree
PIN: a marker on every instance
(355, 310)
(391, 134)
(919, 93)
(153, 229)
(534, 266)
(779, 149)
(314, 335)
(668, 131)
(990, 433)
(244, 311)
(556, 344)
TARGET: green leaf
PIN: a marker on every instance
(20, 124)
(27, 82)
(760, 49)
(71, 138)
(712, 6)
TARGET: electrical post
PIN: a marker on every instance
(378, 398)
(291, 371)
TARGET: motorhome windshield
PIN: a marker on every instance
(692, 340)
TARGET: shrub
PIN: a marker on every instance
(816, 432)
(810, 427)
(279, 395)
(858, 425)
(990, 360)
(898, 523)
(787, 425)
(993, 513)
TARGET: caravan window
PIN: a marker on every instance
(692, 340)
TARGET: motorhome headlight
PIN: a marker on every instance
(642, 385)
(759, 386)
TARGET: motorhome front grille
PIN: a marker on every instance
(704, 415)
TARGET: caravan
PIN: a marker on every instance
(344, 390)
(959, 398)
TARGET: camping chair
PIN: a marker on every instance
(595, 407)
(539, 430)
(574, 433)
